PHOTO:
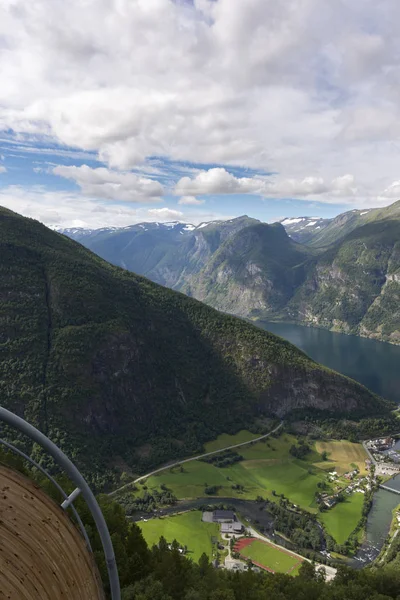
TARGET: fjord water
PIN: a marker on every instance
(374, 364)
(377, 366)
(378, 523)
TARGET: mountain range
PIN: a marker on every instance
(342, 274)
(118, 370)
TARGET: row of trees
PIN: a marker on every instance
(223, 459)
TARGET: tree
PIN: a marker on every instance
(307, 570)
(324, 455)
(204, 564)
(162, 544)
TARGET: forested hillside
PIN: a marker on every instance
(117, 369)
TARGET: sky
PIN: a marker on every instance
(114, 112)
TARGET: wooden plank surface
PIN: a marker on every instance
(42, 554)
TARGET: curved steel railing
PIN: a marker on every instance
(54, 482)
(82, 488)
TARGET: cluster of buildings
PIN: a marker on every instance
(380, 444)
(227, 519)
(383, 451)
(356, 485)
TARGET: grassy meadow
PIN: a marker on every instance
(269, 470)
(343, 455)
(267, 467)
(225, 439)
(341, 520)
(187, 528)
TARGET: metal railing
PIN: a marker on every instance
(81, 488)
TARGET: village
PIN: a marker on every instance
(348, 483)
(384, 461)
(384, 454)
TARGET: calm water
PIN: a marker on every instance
(374, 364)
(378, 524)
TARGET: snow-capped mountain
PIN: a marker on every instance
(302, 229)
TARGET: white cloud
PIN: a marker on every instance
(303, 88)
(165, 214)
(71, 209)
(392, 191)
(190, 200)
(220, 181)
(112, 185)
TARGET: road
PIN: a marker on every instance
(198, 457)
(371, 458)
(330, 571)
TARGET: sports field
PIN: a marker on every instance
(188, 529)
(342, 519)
(268, 556)
(343, 455)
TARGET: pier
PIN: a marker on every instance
(389, 489)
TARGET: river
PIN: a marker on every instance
(374, 364)
(378, 524)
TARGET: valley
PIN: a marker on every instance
(267, 483)
(244, 420)
(120, 370)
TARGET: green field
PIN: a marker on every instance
(224, 440)
(342, 519)
(268, 466)
(267, 555)
(188, 529)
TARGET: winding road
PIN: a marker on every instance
(198, 457)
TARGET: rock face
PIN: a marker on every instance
(105, 361)
(355, 286)
(254, 273)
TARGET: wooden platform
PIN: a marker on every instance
(42, 554)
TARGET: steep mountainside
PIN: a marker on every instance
(167, 253)
(116, 368)
(138, 248)
(195, 250)
(338, 228)
(352, 286)
(254, 272)
(304, 229)
(355, 285)
(344, 277)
